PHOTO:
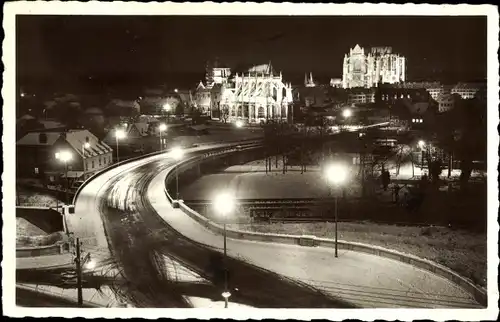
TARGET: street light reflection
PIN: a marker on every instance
(90, 264)
(347, 113)
(224, 203)
(177, 153)
(336, 173)
(64, 156)
(120, 134)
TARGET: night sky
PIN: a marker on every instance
(66, 46)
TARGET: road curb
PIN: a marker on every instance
(478, 293)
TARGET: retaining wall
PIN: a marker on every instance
(56, 249)
(477, 292)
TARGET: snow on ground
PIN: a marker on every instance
(363, 279)
(181, 273)
(25, 228)
(105, 297)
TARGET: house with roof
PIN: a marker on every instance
(36, 155)
(203, 98)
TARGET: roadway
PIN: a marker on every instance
(123, 207)
(31, 298)
(139, 239)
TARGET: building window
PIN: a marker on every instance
(87, 165)
(92, 164)
(100, 164)
(36, 171)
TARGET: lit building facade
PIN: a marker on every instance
(367, 70)
(309, 81)
(466, 90)
(361, 96)
(336, 82)
(216, 74)
(256, 95)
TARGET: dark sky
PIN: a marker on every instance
(62, 46)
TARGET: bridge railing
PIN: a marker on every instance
(117, 164)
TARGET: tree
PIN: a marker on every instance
(462, 134)
(435, 168)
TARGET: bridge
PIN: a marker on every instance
(135, 191)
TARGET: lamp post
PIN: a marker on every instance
(347, 113)
(421, 145)
(224, 204)
(335, 174)
(65, 156)
(167, 108)
(119, 134)
(177, 153)
(161, 128)
(85, 145)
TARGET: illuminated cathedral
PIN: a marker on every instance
(254, 95)
(380, 65)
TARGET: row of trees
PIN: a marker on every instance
(462, 134)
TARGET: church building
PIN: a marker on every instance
(367, 70)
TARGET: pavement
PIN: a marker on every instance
(363, 279)
(91, 297)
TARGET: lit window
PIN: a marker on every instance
(36, 170)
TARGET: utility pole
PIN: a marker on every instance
(78, 261)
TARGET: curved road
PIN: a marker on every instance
(139, 241)
(129, 201)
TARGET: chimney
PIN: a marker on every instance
(42, 138)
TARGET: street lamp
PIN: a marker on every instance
(161, 128)
(177, 153)
(176, 90)
(239, 123)
(422, 145)
(85, 145)
(119, 134)
(335, 174)
(65, 156)
(347, 113)
(223, 205)
(167, 108)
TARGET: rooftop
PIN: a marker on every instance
(75, 138)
